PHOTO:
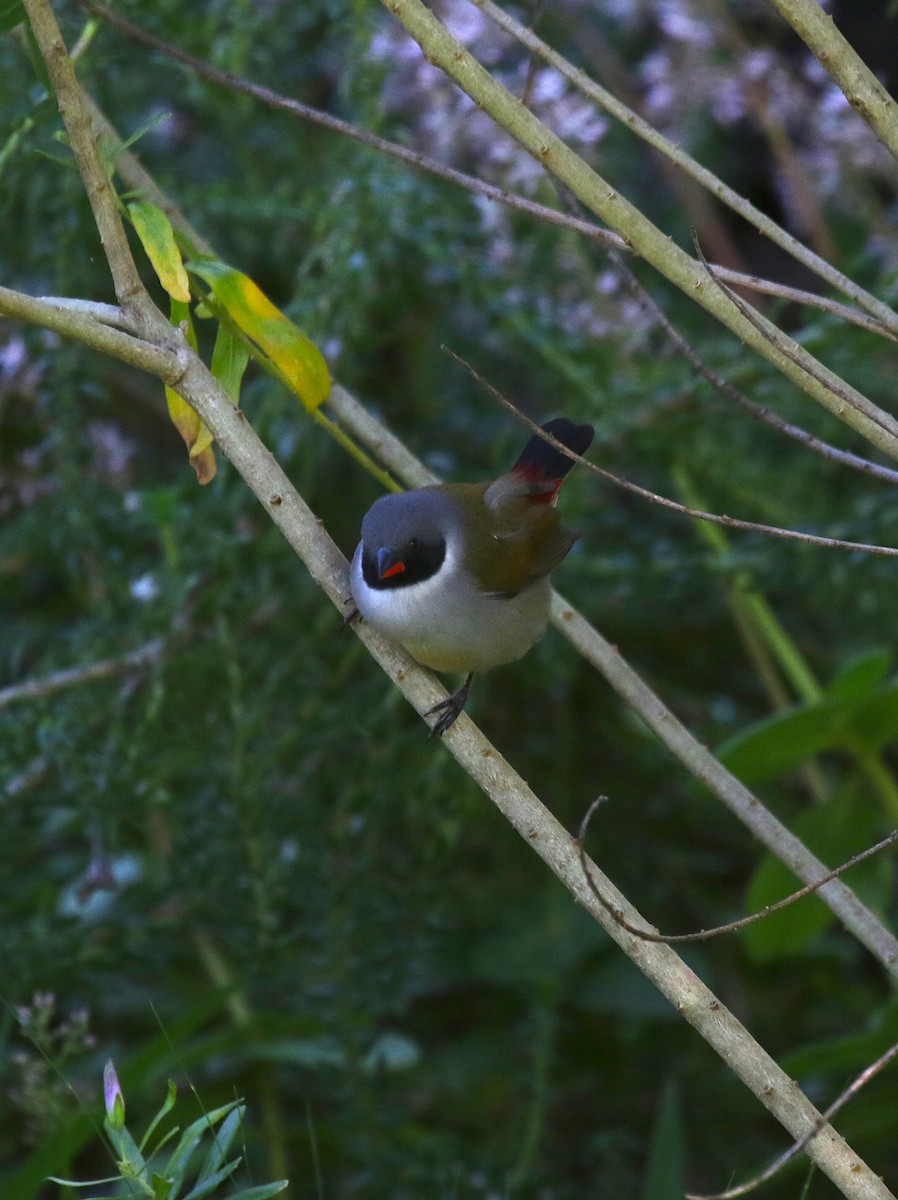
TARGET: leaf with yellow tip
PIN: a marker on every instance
(188, 422)
(295, 357)
(158, 239)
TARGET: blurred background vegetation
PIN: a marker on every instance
(244, 864)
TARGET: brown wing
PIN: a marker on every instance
(516, 544)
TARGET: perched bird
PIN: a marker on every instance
(458, 573)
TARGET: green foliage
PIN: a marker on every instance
(141, 1167)
(664, 1178)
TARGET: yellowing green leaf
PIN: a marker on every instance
(158, 239)
(295, 357)
(186, 420)
(195, 434)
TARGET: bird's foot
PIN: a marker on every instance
(350, 616)
(449, 709)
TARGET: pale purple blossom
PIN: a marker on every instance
(113, 1098)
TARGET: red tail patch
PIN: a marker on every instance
(542, 466)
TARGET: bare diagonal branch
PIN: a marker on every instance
(863, 90)
(676, 154)
(823, 385)
(128, 286)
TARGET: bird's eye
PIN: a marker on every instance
(413, 544)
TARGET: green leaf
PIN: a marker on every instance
(205, 1186)
(12, 13)
(875, 723)
(221, 1143)
(82, 1183)
(262, 1191)
(158, 239)
(860, 676)
(161, 1186)
(294, 357)
(229, 359)
(167, 1105)
(176, 1169)
(784, 740)
(667, 1151)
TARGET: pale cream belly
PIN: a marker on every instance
(499, 631)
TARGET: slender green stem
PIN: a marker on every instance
(787, 653)
(756, 618)
(753, 606)
(882, 779)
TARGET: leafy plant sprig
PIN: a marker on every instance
(142, 1168)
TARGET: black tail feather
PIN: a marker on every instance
(539, 460)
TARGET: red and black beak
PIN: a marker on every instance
(388, 563)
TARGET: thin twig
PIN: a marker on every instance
(698, 514)
(883, 315)
(841, 391)
(163, 361)
(796, 1148)
(731, 392)
(106, 314)
(37, 689)
(703, 935)
(551, 216)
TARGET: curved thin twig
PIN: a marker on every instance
(704, 935)
(811, 539)
(731, 392)
(775, 337)
(796, 1148)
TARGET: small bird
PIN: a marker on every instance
(458, 573)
